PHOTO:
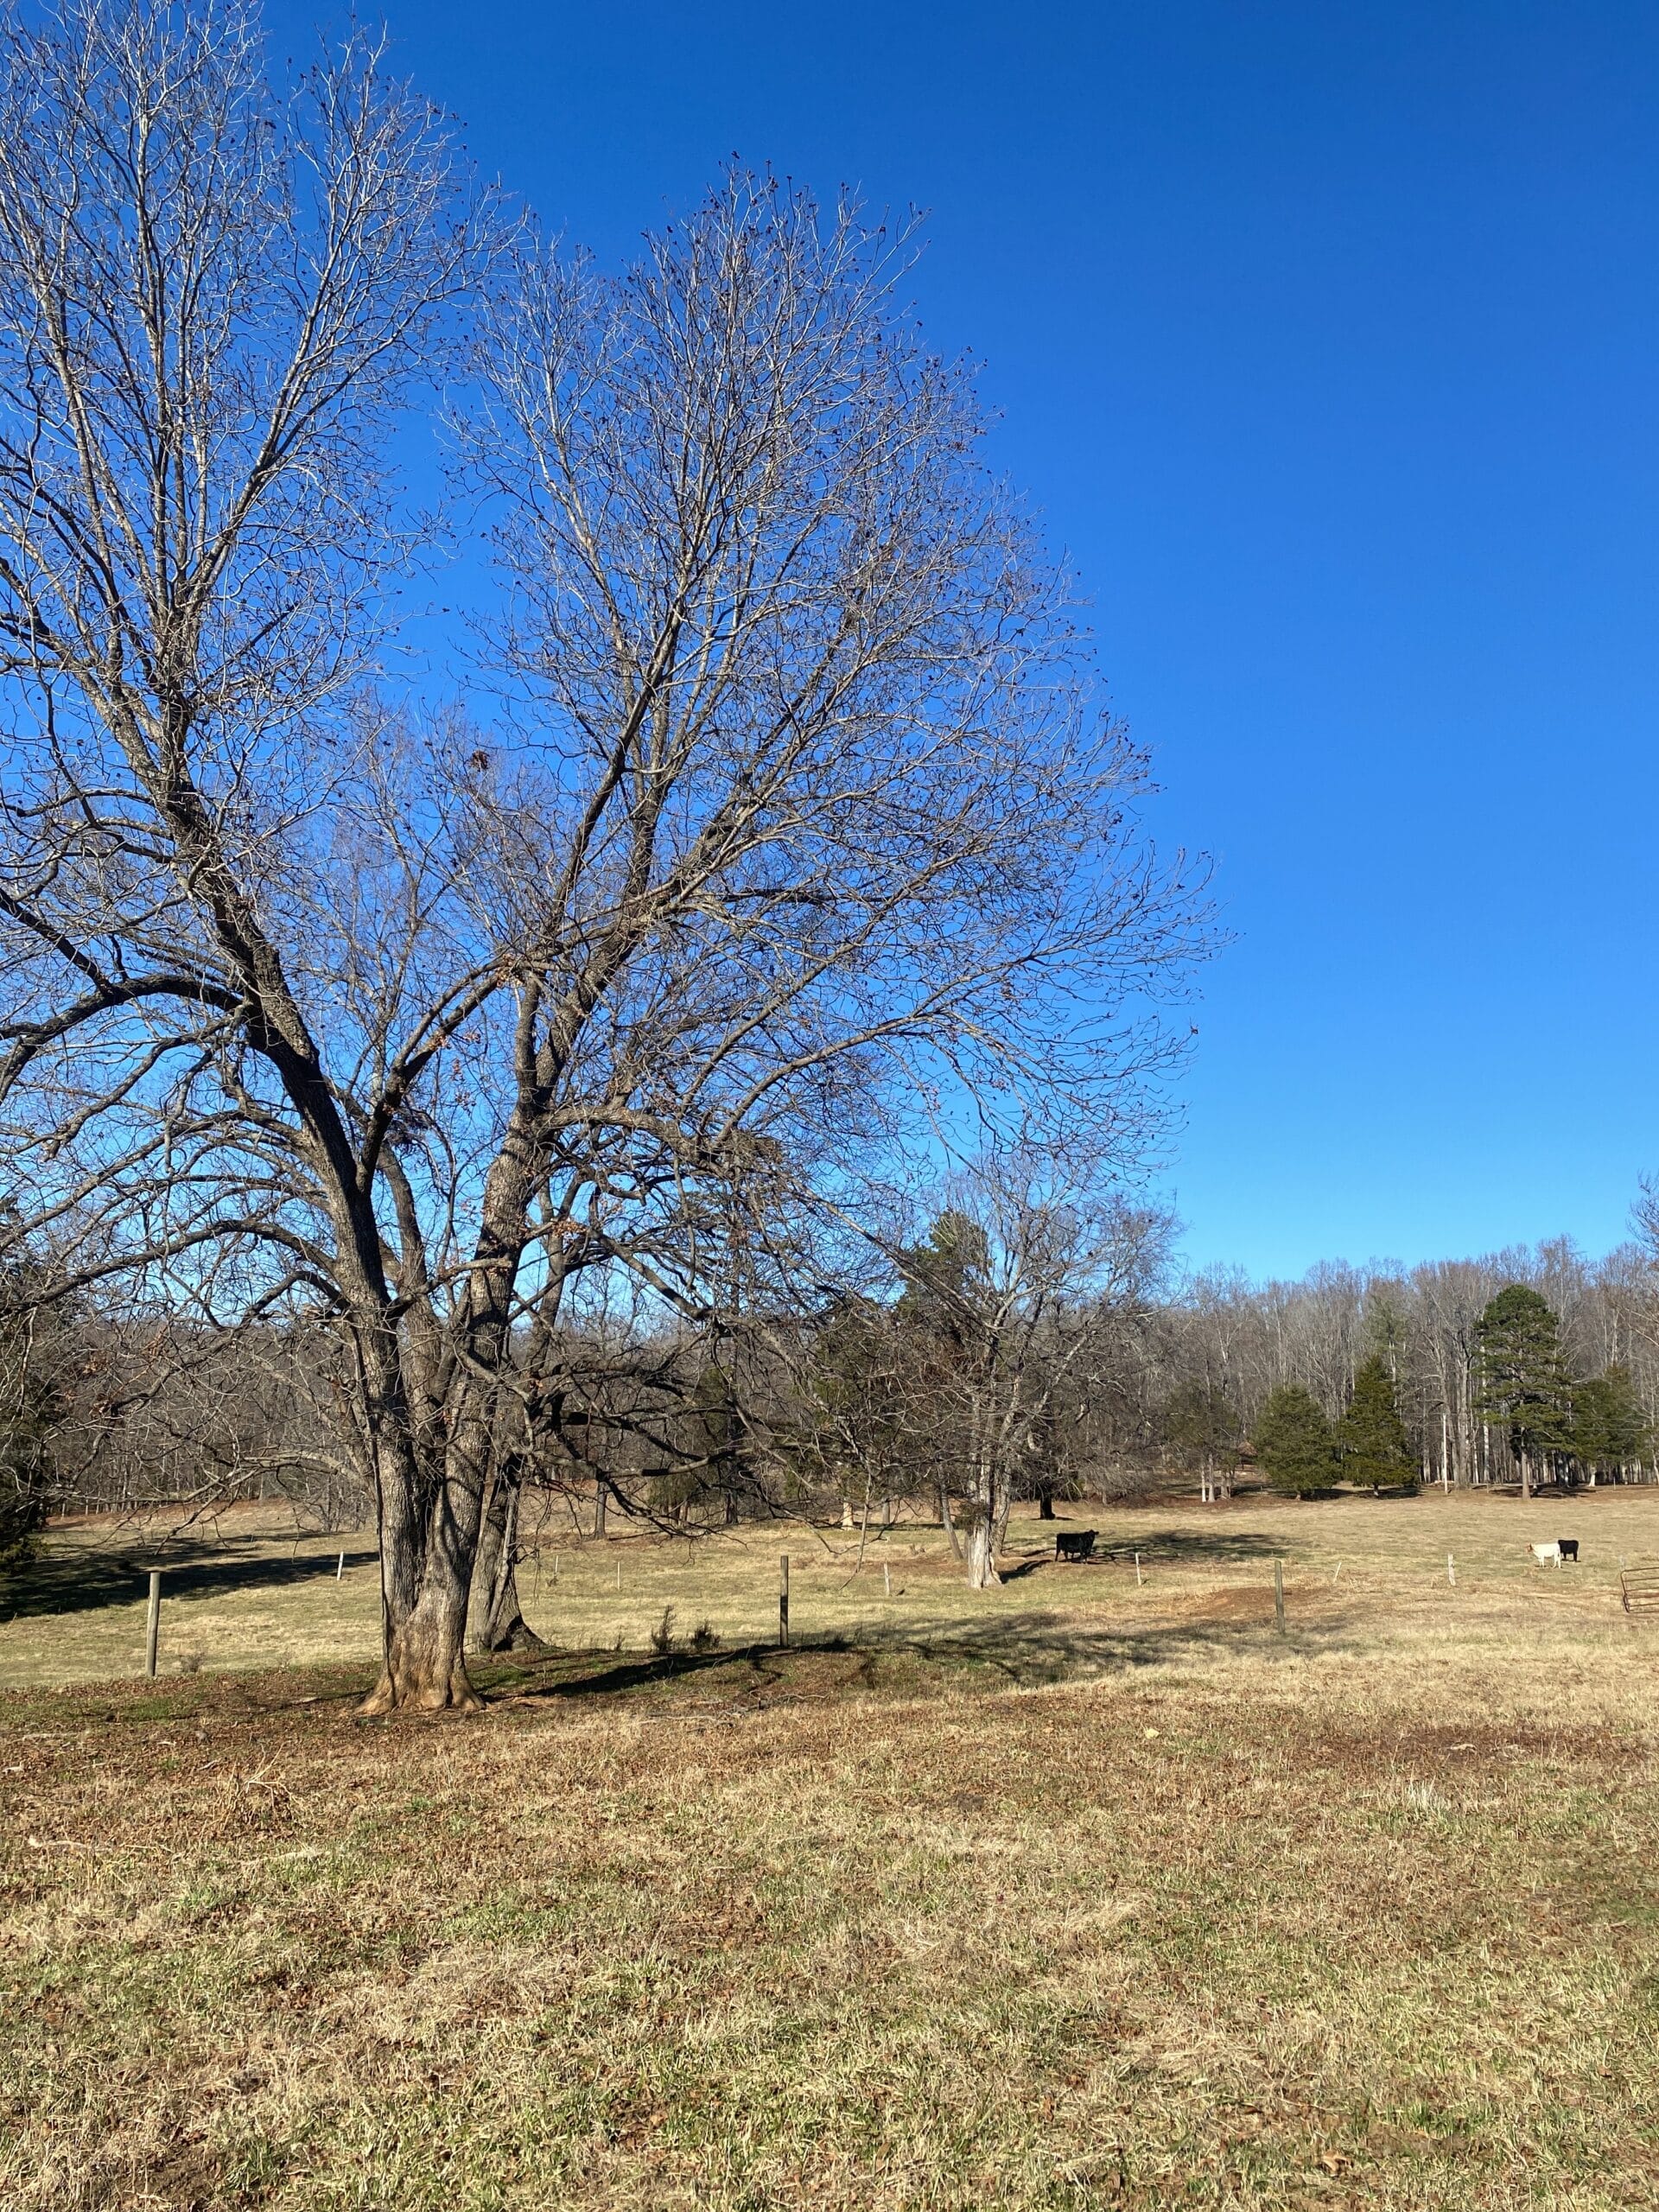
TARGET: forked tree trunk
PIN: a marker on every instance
(429, 1545)
(431, 1528)
(424, 1666)
(495, 1622)
(426, 1553)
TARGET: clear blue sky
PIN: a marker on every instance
(1325, 337)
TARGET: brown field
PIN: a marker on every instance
(1083, 1892)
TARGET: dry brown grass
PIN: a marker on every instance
(1079, 1894)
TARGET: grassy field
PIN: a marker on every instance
(1082, 1892)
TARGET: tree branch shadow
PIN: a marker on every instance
(83, 1581)
(1026, 1652)
(1165, 1547)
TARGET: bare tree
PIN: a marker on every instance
(1015, 1293)
(795, 824)
(214, 297)
(802, 818)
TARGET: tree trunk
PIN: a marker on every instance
(494, 1621)
(424, 1667)
(946, 1523)
(429, 1525)
(981, 1552)
(1045, 1501)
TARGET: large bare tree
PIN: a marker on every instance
(782, 824)
(215, 296)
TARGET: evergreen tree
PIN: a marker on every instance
(1522, 1384)
(712, 1441)
(1294, 1444)
(1610, 1429)
(1371, 1437)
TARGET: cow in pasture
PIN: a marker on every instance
(1553, 1554)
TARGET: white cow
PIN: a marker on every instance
(1553, 1554)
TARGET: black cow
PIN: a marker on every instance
(1078, 1546)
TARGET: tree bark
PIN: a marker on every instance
(982, 1553)
(946, 1523)
(429, 1534)
(425, 1666)
(495, 1622)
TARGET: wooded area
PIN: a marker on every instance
(980, 1371)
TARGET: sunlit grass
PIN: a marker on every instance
(253, 1593)
(1078, 1893)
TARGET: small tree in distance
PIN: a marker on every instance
(1293, 1442)
(1371, 1437)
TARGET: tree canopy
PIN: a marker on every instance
(1610, 1431)
(1522, 1382)
(1294, 1444)
(1371, 1439)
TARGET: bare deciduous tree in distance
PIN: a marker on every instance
(1021, 1281)
(793, 821)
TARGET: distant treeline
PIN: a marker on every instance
(1095, 1380)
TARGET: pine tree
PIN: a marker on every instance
(1522, 1379)
(1294, 1444)
(1610, 1429)
(1371, 1437)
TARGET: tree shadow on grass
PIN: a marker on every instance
(1033, 1647)
(1029, 1651)
(1219, 1546)
(65, 1581)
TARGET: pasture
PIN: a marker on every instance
(1087, 1891)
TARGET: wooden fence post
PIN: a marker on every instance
(1450, 1570)
(783, 1602)
(1278, 1594)
(153, 1628)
